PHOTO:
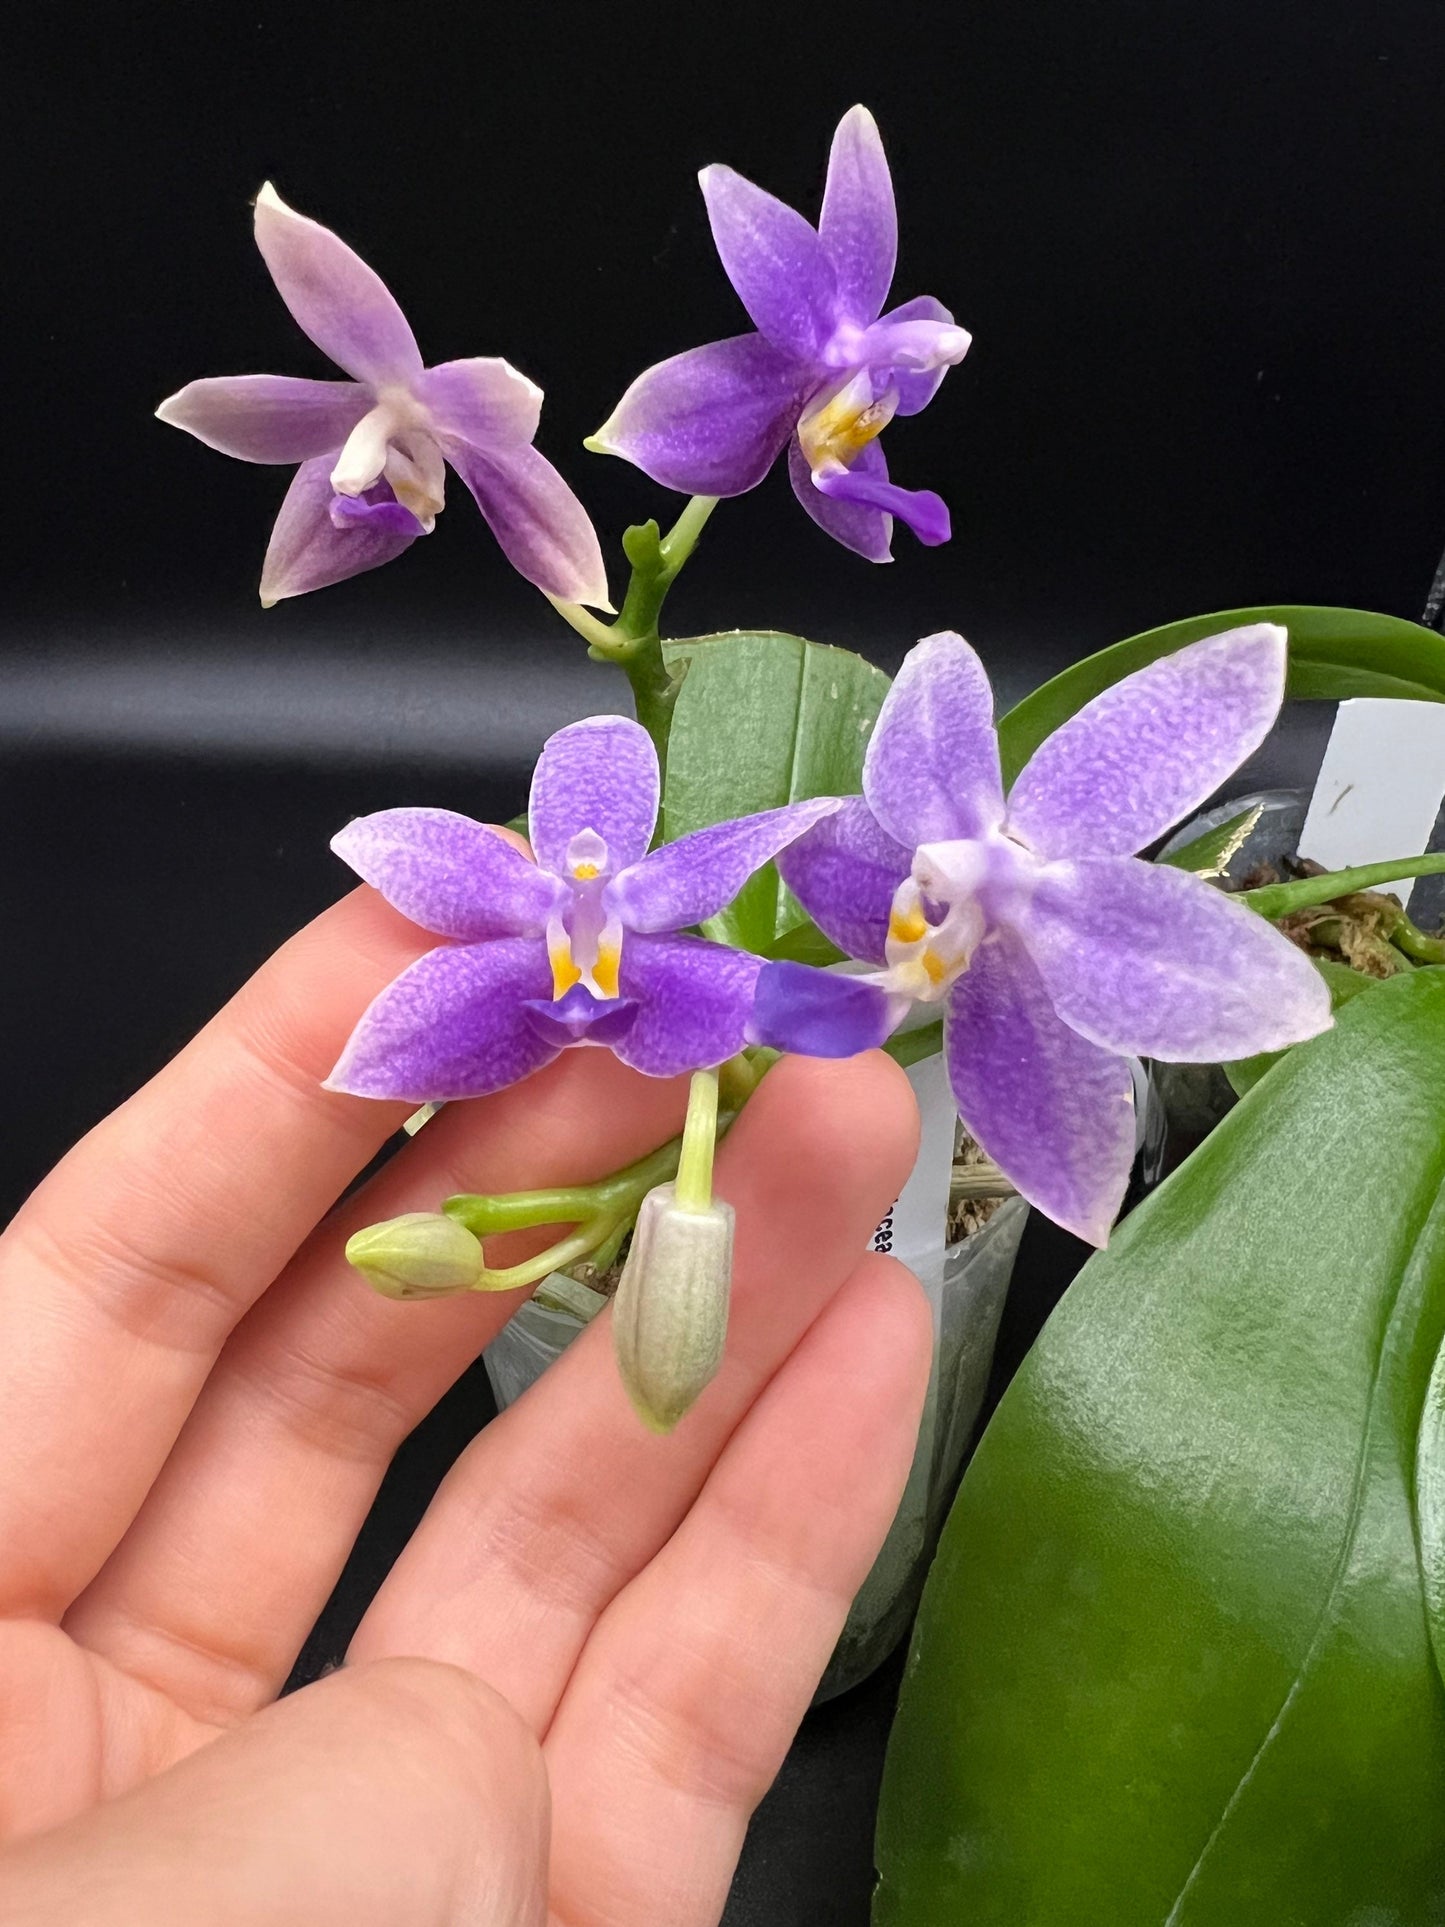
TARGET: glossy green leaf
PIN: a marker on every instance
(1209, 855)
(762, 720)
(1333, 653)
(1172, 1668)
(1344, 984)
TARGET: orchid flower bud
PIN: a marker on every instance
(420, 1255)
(670, 1315)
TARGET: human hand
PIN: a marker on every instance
(197, 1403)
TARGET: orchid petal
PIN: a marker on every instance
(774, 259)
(844, 872)
(917, 344)
(1053, 1111)
(859, 223)
(711, 421)
(600, 774)
(866, 486)
(818, 1013)
(334, 297)
(452, 1026)
(483, 400)
(544, 531)
(866, 531)
(693, 999)
(378, 510)
(580, 1018)
(449, 874)
(1151, 748)
(267, 418)
(307, 550)
(693, 878)
(1150, 960)
(931, 773)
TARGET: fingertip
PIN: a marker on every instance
(856, 1117)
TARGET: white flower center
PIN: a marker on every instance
(841, 421)
(584, 944)
(392, 441)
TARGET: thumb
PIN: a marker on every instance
(401, 1790)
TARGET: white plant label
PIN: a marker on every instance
(914, 1230)
(1380, 785)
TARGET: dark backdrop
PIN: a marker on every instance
(1197, 245)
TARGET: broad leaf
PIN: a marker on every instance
(1172, 1667)
(761, 720)
(1333, 653)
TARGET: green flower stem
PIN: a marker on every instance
(487, 1216)
(566, 1251)
(699, 1139)
(633, 641)
(1283, 899)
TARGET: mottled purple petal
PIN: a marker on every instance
(580, 1018)
(267, 418)
(1150, 749)
(859, 223)
(932, 771)
(711, 421)
(449, 874)
(774, 259)
(844, 872)
(308, 551)
(483, 400)
(1054, 1112)
(866, 531)
(544, 530)
(334, 297)
(693, 878)
(451, 1026)
(917, 344)
(866, 485)
(694, 1000)
(818, 1013)
(600, 774)
(1150, 960)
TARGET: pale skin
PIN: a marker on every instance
(585, 1669)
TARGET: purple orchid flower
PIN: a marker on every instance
(580, 947)
(826, 371)
(1056, 952)
(373, 451)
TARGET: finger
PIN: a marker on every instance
(404, 1791)
(122, 1275)
(213, 1590)
(690, 1690)
(566, 1497)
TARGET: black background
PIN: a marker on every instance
(1198, 247)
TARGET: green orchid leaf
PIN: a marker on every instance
(1344, 984)
(1173, 1666)
(764, 719)
(1333, 653)
(1209, 855)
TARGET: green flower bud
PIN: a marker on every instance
(670, 1315)
(421, 1255)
